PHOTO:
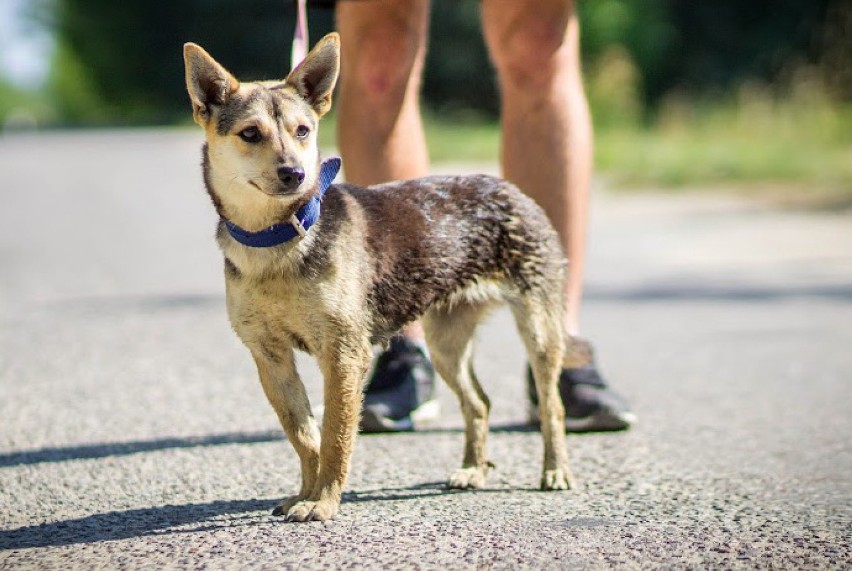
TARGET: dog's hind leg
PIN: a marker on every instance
(286, 394)
(541, 329)
(449, 334)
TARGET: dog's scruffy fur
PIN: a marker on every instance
(442, 248)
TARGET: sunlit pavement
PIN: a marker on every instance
(133, 431)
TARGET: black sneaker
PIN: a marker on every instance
(400, 391)
(589, 405)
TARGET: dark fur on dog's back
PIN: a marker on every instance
(475, 228)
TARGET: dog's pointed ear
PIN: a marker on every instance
(315, 77)
(207, 81)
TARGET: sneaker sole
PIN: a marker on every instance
(603, 421)
(421, 417)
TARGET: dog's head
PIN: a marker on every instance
(261, 154)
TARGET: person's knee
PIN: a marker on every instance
(377, 67)
(534, 55)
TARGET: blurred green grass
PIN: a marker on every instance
(797, 148)
(803, 143)
(792, 141)
(22, 108)
(787, 147)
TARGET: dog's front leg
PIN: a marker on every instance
(344, 366)
(286, 394)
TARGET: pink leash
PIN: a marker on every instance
(300, 36)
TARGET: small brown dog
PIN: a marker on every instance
(442, 248)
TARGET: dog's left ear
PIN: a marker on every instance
(315, 77)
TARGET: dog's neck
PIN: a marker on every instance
(297, 224)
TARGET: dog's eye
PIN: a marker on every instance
(250, 135)
(302, 131)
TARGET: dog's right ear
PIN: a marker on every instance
(207, 81)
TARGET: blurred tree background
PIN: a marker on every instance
(729, 68)
(119, 62)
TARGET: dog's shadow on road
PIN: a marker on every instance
(169, 519)
(161, 520)
(416, 492)
(126, 524)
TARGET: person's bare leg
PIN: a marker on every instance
(547, 152)
(379, 129)
(547, 133)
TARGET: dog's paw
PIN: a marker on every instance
(287, 503)
(465, 478)
(558, 479)
(307, 510)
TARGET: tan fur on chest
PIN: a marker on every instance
(277, 314)
(272, 317)
(274, 307)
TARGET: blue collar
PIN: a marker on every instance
(298, 224)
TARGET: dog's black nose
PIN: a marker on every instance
(291, 177)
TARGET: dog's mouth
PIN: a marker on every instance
(286, 192)
(279, 190)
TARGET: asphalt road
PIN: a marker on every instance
(134, 434)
